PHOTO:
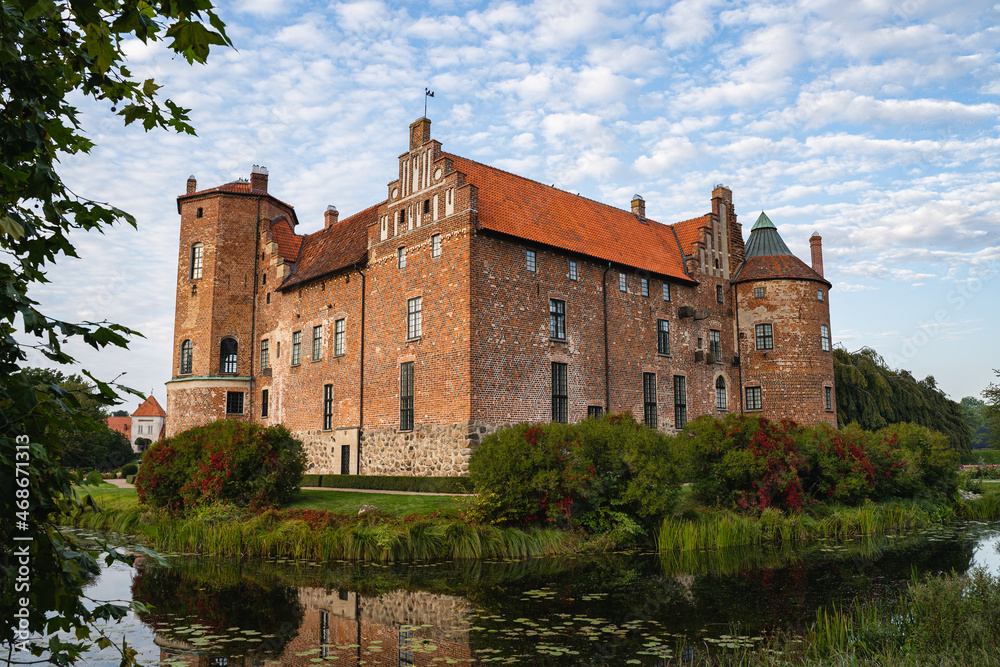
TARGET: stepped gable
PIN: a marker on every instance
(149, 408)
(333, 248)
(768, 258)
(532, 211)
(288, 241)
(689, 231)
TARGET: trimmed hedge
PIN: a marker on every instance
(391, 483)
(979, 457)
(130, 479)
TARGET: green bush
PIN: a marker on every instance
(95, 478)
(930, 452)
(393, 483)
(245, 464)
(130, 479)
(130, 469)
(981, 457)
(600, 475)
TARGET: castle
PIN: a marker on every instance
(392, 341)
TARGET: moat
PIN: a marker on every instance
(616, 609)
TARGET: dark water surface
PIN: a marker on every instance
(619, 609)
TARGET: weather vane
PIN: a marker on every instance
(427, 93)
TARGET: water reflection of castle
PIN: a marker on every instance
(345, 628)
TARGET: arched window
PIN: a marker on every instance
(227, 355)
(187, 354)
(196, 255)
(720, 393)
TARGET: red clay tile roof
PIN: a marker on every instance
(687, 231)
(774, 267)
(121, 424)
(288, 241)
(149, 408)
(334, 248)
(236, 187)
(532, 211)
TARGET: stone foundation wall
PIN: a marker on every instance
(427, 450)
(323, 450)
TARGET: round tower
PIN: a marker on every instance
(783, 323)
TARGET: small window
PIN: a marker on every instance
(662, 337)
(427, 206)
(406, 396)
(718, 294)
(560, 393)
(328, 407)
(758, 292)
(263, 278)
(644, 286)
(338, 338)
(317, 343)
(227, 355)
(680, 401)
(753, 401)
(296, 348)
(277, 350)
(197, 254)
(666, 292)
(765, 337)
(401, 258)
(187, 357)
(572, 270)
(649, 399)
(234, 402)
(402, 217)
(819, 295)
(557, 319)
(200, 213)
(263, 402)
(595, 411)
(824, 337)
(268, 299)
(828, 398)
(622, 285)
(436, 245)
(414, 318)
(531, 260)
(265, 354)
(720, 393)
(715, 344)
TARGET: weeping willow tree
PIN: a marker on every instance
(874, 395)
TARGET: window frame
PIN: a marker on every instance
(557, 319)
(328, 407)
(680, 401)
(296, 348)
(531, 261)
(828, 398)
(715, 344)
(595, 411)
(819, 294)
(666, 291)
(574, 273)
(560, 392)
(759, 292)
(720, 296)
(317, 346)
(197, 261)
(265, 354)
(663, 337)
(644, 287)
(187, 357)
(414, 318)
(339, 329)
(764, 336)
(824, 338)
(435, 246)
(649, 408)
(264, 401)
(622, 282)
(406, 396)
(228, 363)
(401, 257)
(231, 399)
(753, 399)
(721, 399)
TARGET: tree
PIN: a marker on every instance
(991, 411)
(975, 416)
(120, 413)
(51, 50)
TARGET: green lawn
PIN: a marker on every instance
(346, 502)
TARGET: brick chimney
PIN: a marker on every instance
(816, 246)
(192, 184)
(258, 179)
(420, 132)
(330, 217)
(639, 207)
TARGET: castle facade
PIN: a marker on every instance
(392, 341)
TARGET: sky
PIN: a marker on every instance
(873, 122)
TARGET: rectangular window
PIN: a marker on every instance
(622, 285)
(828, 398)
(572, 270)
(718, 294)
(406, 396)
(662, 337)
(560, 393)
(436, 245)
(234, 402)
(715, 344)
(338, 338)
(265, 354)
(666, 292)
(531, 260)
(327, 407)
(819, 295)
(649, 399)
(720, 394)
(758, 292)
(557, 319)
(317, 343)
(824, 337)
(644, 286)
(263, 402)
(595, 411)
(414, 318)
(345, 459)
(197, 251)
(401, 258)
(680, 401)
(765, 337)
(753, 401)
(296, 348)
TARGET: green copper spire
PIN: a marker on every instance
(763, 222)
(764, 239)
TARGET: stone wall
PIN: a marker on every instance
(429, 449)
(323, 450)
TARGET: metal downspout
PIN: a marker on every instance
(607, 368)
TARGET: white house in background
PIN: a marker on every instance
(148, 421)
